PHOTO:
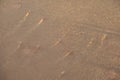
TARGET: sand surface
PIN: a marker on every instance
(59, 40)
